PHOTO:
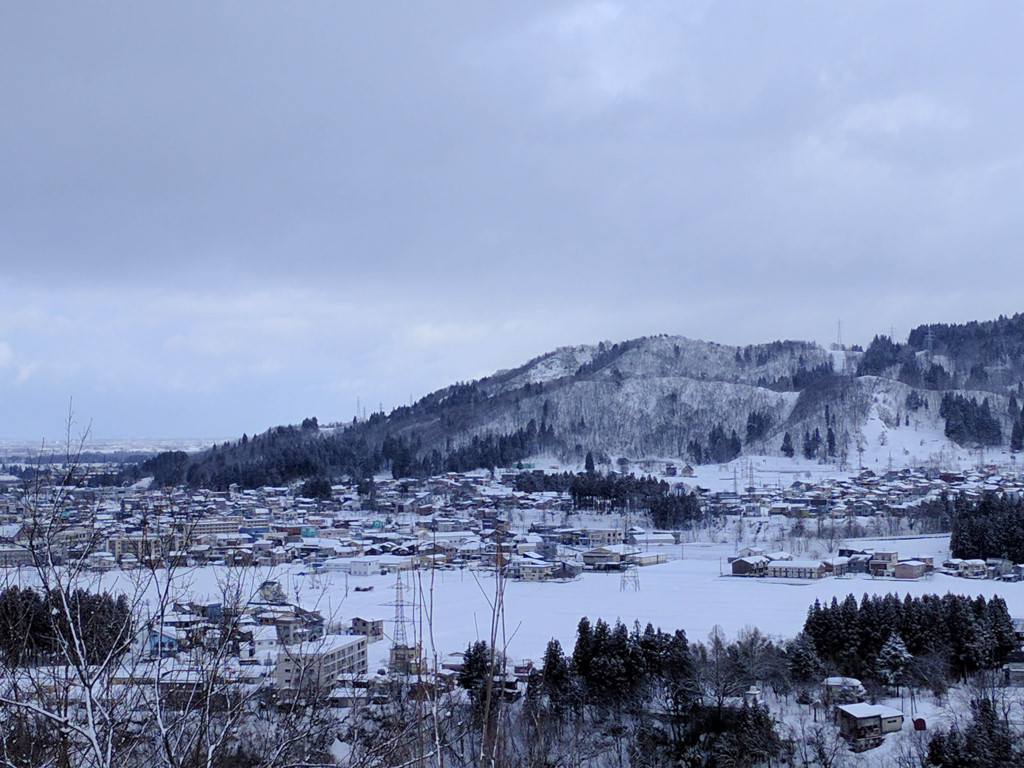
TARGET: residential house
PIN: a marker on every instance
(883, 563)
(842, 690)
(610, 557)
(836, 566)
(534, 569)
(1018, 630)
(13, 555)
(752, 565)
(165, 641)
(1013, 669)
(865, 725)
(973, 568)
(910, 569)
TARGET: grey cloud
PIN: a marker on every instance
(222, 197)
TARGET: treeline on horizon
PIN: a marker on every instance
(987, 356)
(284, 455)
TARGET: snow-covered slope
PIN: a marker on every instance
(651, 397)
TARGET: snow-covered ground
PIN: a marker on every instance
(448, 609)
(921, 444)
(688, 593)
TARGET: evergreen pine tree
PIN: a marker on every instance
(476, 667)
(583, 652)
(556, 679)
(892, 661)
(802, 659)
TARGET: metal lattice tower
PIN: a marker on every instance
(630, 574)
(403, 659)
(630, 578)
(400, 638)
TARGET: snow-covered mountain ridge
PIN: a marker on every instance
(670, 398)
(657, 396)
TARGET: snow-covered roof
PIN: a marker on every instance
(869, 710)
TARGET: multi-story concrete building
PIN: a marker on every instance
(314, 667)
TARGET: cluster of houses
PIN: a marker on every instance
(755, 561)
(454, 521)
(867, 494)
(997, 568)
(274, 642)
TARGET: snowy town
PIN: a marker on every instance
(254, 572)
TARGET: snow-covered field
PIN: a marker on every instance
(447, 609)
(687, 593)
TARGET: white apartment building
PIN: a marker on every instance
(316, 664)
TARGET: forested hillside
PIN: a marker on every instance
(663, 396)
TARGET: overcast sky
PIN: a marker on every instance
(217, 217)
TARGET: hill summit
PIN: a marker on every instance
(659, 397)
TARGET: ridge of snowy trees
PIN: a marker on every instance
(655, 396)
(667, 507)
(940, 638)
(644, 697)
(969, 423)
(640, 697)
(991, 526)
